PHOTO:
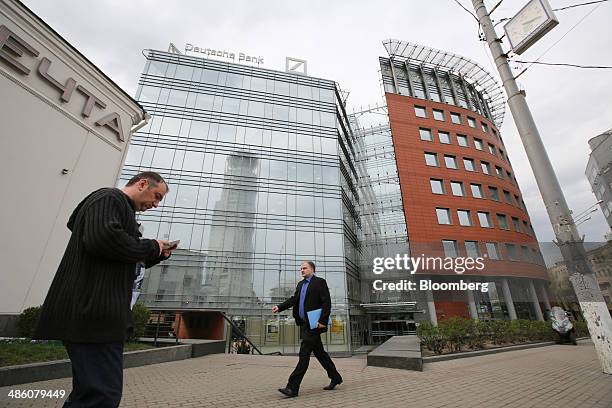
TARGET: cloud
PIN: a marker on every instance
(342, 40)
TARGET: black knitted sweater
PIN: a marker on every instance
(89, 298)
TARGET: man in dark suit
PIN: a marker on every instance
(310, 294)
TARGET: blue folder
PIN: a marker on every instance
(314, 316)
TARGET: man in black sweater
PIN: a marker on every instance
(88, 303)
(310, 294)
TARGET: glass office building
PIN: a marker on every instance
(262, 175)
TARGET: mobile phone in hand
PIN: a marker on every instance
(172, 245)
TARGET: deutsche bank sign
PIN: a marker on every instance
(224, 54)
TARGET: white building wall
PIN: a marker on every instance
(40, 136)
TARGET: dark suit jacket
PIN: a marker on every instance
(317, 297)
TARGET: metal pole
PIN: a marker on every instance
(157, 329)
(178, 328)
(570, 243)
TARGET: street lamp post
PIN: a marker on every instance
(568, 240)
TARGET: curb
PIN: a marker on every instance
(401, 352)
(51, 370)
(467, 354)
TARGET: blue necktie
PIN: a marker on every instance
(303, 296)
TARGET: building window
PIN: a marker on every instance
(469, 164)
(536, 257)
(476, 190)
(420, 111)
(517, 224)
(486, 167)
(525, 253)
(444, 137)
(464, 218)
(525, 227)
(492, 250)
(502, 220)
(431, 159)
(438, 114)
(492, 149)
(443, 216)
(508, 197)
(457, 188)
(462, 140)
(511, 251)
(485, 128)
(501, 154)
(484, 219)
(494, 193)
(437, 186)
(472, 249)
(426, 134)
(450, 161)
(472, 122)
(455, 118)
(478, 144)
(450, 248)
(499, 171)
(509, 176)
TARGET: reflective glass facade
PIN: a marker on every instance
(262, 175)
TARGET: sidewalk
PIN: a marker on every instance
(555, 376)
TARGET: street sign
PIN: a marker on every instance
(530, 24)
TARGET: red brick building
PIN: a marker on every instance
(459, 191)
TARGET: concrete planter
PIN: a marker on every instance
(51, 370)
(476, 353)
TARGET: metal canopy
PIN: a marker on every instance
(481, 79)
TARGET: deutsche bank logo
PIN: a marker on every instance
(296, 66)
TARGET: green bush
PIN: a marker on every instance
(540, 331)
(140, 317)
(27, 320)
(581, 328)
(430, 337)
(456, 330)
(498, 331)
(478, 334)
(516, 331)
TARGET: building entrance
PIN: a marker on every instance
(382, 330)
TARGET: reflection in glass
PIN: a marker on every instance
(255, 188)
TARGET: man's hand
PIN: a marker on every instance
(320, 326)
(162, 244)
(275, 309)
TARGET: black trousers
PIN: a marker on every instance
(311, 343)
(97, 374)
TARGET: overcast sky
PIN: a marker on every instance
(342, 40)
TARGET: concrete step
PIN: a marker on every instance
(403, 352)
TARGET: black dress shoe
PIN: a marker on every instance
(332, 385)
(288, 392)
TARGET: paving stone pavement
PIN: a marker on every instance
(554, 376)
